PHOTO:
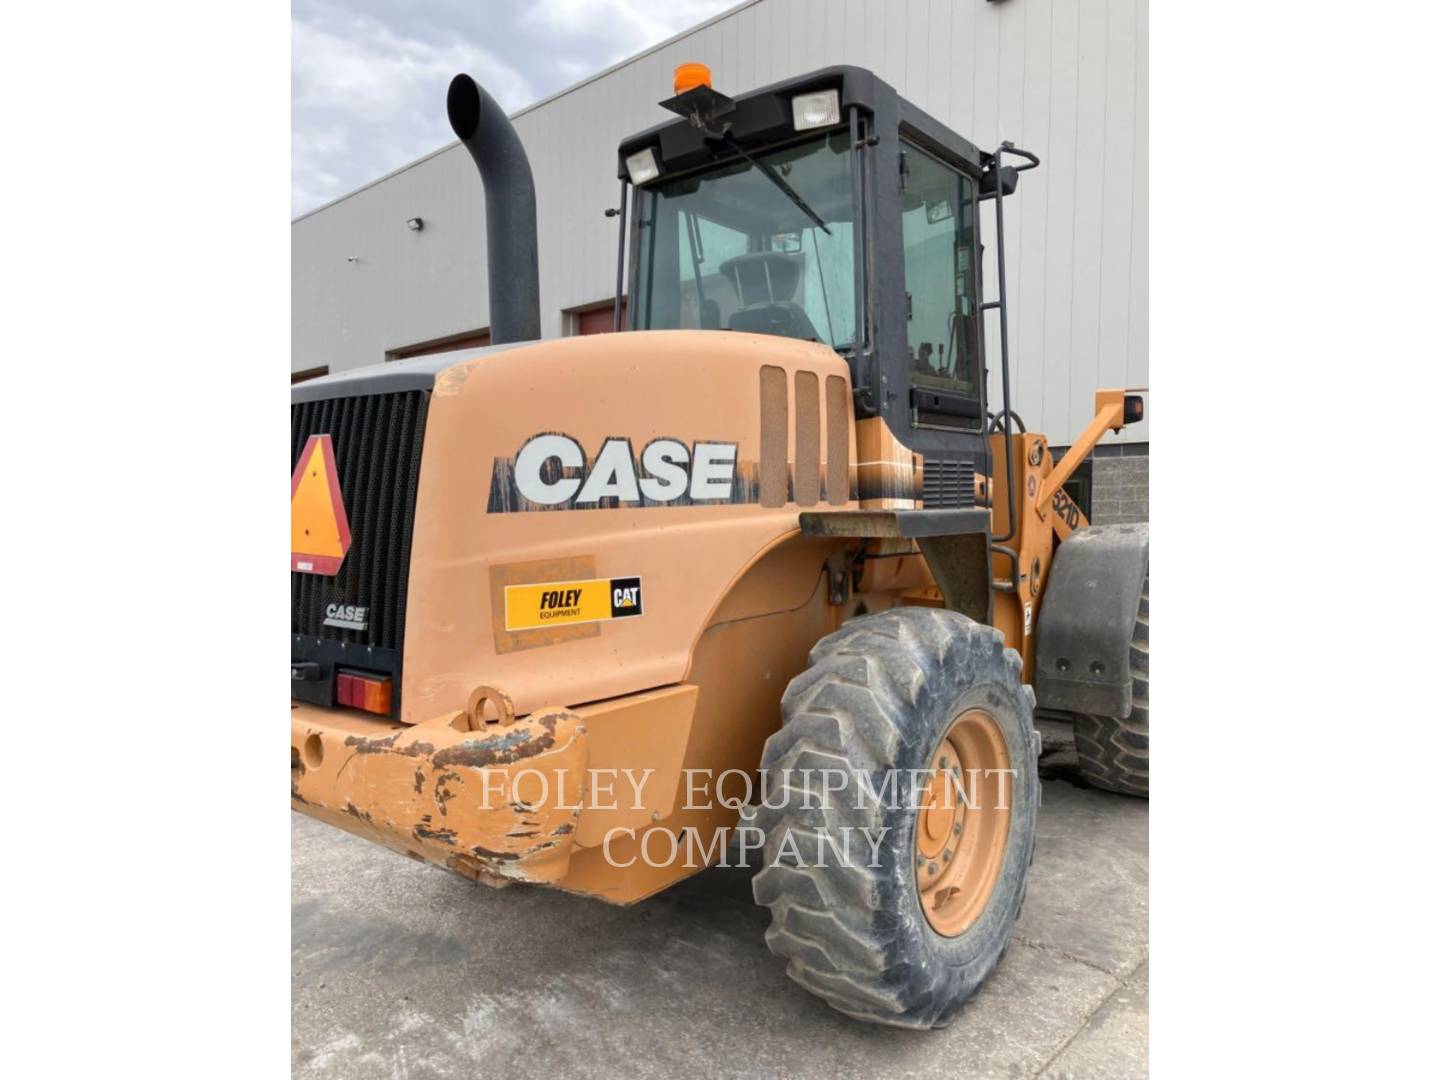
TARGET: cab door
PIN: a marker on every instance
(941, 316)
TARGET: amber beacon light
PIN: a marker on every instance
(689, 76)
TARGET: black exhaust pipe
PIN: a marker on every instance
(511, 244)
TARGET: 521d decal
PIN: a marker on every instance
(1064, 509)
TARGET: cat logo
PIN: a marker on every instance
(566, 603)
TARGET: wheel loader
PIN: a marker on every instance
(765, 577)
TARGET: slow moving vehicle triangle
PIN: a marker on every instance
(319, 528)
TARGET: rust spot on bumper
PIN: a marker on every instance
(444, 836)
(451, 796)
(504, 749)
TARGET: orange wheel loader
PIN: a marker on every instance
(766, 577)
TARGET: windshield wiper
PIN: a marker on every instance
(702, 106)
(775, 178)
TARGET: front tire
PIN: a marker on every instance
(904, 932)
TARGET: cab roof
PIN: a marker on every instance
(762, 117)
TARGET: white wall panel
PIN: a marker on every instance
(1064, 78)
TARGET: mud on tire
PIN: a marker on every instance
(1114, 754)
(879, 694)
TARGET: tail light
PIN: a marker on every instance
(368, 692)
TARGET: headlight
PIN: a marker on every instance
(816, 110)
(642, 166)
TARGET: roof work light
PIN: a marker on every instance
(816, 110)
(642, 166)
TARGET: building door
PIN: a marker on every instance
(598, 320)
(473, 340)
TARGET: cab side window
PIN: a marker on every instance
(942, 316)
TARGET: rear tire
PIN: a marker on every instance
(885, 692)
(1114, 754)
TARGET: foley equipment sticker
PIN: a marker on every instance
(566, 603)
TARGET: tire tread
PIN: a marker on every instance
(1114, 753)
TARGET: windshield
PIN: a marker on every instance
(732, 250)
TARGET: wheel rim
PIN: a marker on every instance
(963, 823)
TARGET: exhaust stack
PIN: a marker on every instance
(512, 246)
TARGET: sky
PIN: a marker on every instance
(368, 77)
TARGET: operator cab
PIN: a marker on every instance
(830, 209)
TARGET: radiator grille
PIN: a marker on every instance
(949, 483)
(377, 441)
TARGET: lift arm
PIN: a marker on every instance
(1113, 410)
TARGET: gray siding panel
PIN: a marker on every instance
(1063, 78)
(1057, 177)
(1138, 310)
(1116, 205)
(1089, 195)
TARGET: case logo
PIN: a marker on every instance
(347, 616)
(565, 603)
(552, 471)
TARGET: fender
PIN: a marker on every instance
(1082, 660)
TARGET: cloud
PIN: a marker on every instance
(366, 98)
(369, 76)
(625, 27)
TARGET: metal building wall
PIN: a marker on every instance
(1065, 79)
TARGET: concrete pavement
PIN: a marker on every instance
(401, 970)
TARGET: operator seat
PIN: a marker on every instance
(766, 282)
(783, 319)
